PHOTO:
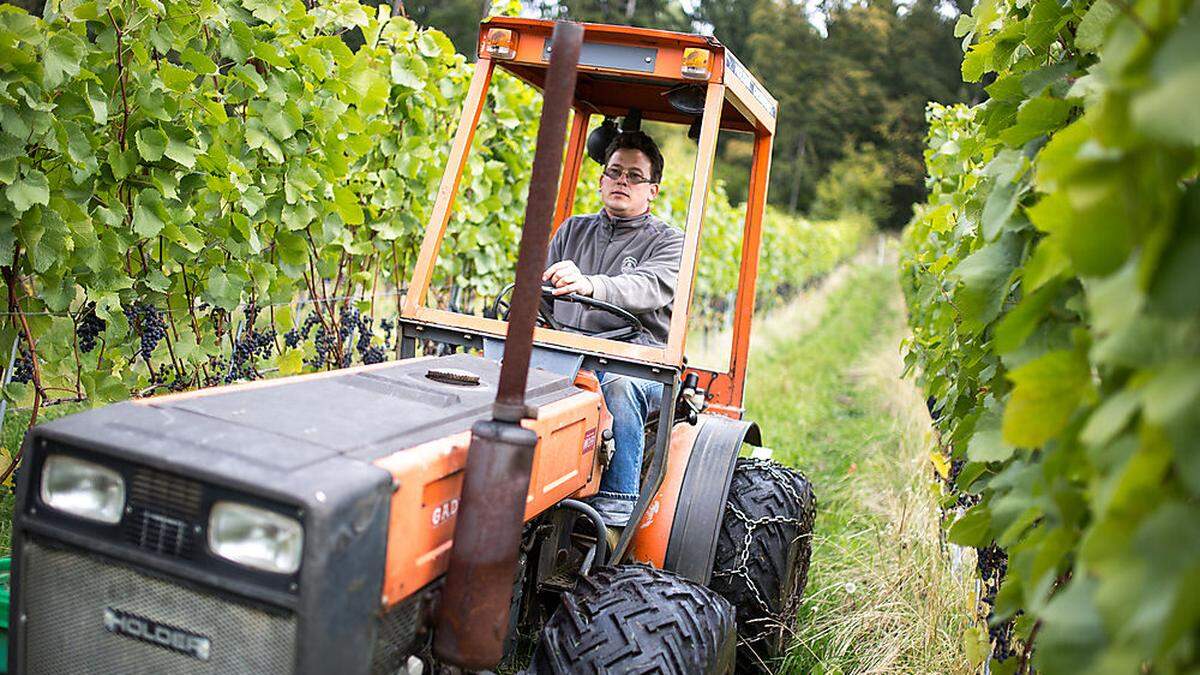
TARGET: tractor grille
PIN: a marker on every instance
(164, 514)
(69, 596)
(397, 634)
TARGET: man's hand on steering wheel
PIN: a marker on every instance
(566, 278)
(573, 287)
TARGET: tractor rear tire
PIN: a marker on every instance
(763, 551)
(638, 619)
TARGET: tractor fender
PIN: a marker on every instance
(679, 530)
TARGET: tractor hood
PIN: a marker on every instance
(301, 447)
(263, 432)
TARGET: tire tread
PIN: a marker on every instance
(638, 619)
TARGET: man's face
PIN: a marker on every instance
(624, 196)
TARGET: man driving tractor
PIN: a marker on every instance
(626, 256)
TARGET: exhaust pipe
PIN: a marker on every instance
(473, 617)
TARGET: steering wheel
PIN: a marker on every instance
(632, 328)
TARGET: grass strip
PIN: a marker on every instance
(883, 594)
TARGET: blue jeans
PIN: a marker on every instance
(629, 400)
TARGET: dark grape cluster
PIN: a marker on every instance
(265, 342)
(354, 334)
(215, 372)
(935, 411)
(992, 563)
(258, 344)
(348, 321)
(295, 336)
(324, 344)
(147, 322)
(89, 327)
(364, 335)
(367, 352)
(312, 321)
(963, 499)
(22, 369)
(250, 346)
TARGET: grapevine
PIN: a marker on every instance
(1051, 284)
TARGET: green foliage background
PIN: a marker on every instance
(856, 79)
(199, 156)
(850, 75)
(232, 163)
(858, 183)
(1052, 282)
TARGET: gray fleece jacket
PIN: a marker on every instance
(632, 263)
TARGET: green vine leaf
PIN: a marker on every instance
(149, 213)
(1046, 391)
(985, 277)
(1166, 111)
(64, 53)
(972, 528)
(151, 143)
(32, 188)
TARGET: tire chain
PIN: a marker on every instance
(752, 524)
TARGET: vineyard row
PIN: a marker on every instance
(1052, 282)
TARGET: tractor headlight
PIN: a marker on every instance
(83, 489)
(255, 537)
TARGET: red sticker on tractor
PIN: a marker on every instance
(589, 441)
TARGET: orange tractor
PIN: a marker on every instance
(429, 512)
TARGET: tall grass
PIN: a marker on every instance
(882, 595)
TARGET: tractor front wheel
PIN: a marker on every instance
(637, 619)
(762, 556)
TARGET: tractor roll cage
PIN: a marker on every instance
(621, 67)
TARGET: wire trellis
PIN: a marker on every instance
(301, 302)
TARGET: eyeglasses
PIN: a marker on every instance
(632, 176)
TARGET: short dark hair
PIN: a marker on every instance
(638, 140)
